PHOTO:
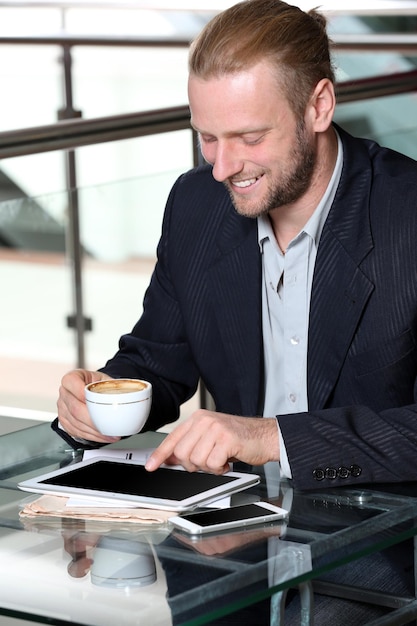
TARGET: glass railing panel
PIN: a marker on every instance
(40, 174)
(120, 225)
(392, 23)
(105, 81)
(360, 63)
(32, 85)
(113, 80)
(130, 158)
(390, 121)
(35, 345)
(32, 176)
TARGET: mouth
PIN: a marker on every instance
(245, 183)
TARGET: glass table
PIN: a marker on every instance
(62, 571)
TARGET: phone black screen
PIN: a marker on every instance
(232, 514)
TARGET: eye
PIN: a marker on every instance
(207, 139)
(252, 140)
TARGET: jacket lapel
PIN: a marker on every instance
(235, 280)
(340, 289)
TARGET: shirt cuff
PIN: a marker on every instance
(283, 457)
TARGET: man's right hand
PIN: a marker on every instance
(72, 410)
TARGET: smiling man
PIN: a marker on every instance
(286, 274)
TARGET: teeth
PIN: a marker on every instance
(245, 183)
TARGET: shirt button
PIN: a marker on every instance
(295, 340)
(293, 397)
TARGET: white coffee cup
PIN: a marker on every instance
(119, 407)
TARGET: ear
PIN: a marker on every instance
(320, 109)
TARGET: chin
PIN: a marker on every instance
(249, 210)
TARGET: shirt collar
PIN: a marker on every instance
(315, 224)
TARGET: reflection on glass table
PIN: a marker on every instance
(101, 573)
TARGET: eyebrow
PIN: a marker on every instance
(236, 133)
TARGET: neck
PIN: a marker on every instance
(287, 221)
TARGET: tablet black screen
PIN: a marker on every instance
(125, 478)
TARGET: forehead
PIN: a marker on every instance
(236, 99)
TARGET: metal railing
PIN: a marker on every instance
(404, 43)
(69, 134)
(72, 132)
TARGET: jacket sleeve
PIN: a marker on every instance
(156, 349)
(351, 445)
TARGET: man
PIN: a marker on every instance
(286, 274)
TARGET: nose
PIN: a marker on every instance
(226, 163)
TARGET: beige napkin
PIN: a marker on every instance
(56, 506)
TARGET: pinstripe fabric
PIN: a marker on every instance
(362, 352)
(202, 317)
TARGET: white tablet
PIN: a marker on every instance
(120, 481)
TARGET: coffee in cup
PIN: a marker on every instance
(119, 407)
(122, 385)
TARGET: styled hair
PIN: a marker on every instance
(293, 41)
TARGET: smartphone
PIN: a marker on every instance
(223, 519)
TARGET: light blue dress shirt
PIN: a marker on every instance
(286, 290)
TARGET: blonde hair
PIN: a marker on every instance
(294, 42)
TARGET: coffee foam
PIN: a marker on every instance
(117, 386)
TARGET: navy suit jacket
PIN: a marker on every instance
(202, 318)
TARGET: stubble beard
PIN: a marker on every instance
(291, 185)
